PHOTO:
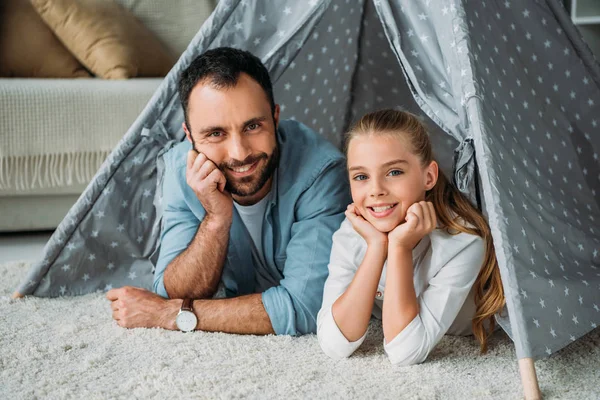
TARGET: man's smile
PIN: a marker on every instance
(243, 171)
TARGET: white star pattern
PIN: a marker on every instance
(558, 210)
(536, 103)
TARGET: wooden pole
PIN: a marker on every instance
(529, 380)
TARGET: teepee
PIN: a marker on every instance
(512, 98)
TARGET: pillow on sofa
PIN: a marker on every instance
(29, 49)
(106, 38)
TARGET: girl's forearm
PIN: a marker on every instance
(352, 310)
(400, 304)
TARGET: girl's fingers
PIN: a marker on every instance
(426, 216)
(417, 210)
(352, 216)
(412, 220)
(348, 214)
(353, 209)
(433, 215)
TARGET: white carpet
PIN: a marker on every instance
(70, 348)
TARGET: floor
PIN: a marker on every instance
(22, 246)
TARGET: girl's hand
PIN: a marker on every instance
(420, 221)
(364, 228)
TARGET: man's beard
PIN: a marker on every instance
(249, 185)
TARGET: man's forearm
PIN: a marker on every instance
(195, 273)
(241, 315)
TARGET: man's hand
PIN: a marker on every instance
(138, 308)
(208, 182)
(364, 228)
(420, 221)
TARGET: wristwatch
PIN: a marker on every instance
(186, 320)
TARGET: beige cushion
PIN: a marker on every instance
(174, 22)
(106, 38)
(29, 49)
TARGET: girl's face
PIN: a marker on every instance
(386, 178)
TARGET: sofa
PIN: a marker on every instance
(55, 133)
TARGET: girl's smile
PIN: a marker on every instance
(382, 210)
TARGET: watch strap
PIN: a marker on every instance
(187, 305)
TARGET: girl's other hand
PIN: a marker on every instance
(420, 221)
(364, 228)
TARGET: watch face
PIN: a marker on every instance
(186, 321)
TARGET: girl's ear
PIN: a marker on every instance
(431, 175)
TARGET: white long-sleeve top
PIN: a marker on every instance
(445, 269)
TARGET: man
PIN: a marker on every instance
(250, 205)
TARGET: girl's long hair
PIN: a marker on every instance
(452, 209)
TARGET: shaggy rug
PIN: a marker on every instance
(70, 348)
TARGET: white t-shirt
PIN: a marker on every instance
(252, 217)
(445, 269)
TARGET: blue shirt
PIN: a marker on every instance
(309, 195)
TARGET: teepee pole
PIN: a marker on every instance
(529, 380)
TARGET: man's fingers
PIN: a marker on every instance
(206, 169)
(222, 181)
(191, 157)
(199, 162)
(115, 315)
(215, 176)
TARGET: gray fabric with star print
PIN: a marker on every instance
(510, 93)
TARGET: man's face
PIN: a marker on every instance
(235, 129)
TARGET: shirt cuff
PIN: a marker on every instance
(278, 305)
(159, 288)
(409, 346)
(331, 339)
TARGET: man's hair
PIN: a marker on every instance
(222, 67)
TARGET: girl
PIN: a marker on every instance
(412, 250)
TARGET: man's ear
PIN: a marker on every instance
(276, 116)
(188, 135)
(431, 175)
